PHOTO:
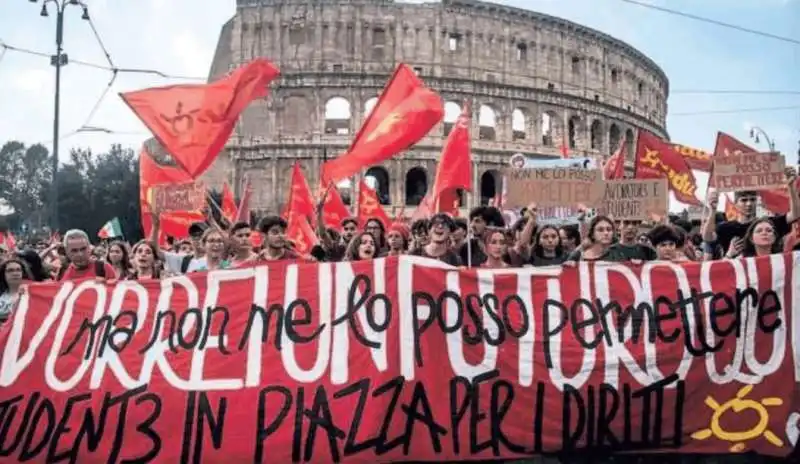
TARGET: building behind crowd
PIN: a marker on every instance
(536, 81)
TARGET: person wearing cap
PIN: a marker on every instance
(438, 247)
(397, 239)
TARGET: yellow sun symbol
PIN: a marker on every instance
(739, 404)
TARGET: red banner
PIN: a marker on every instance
(404, 359)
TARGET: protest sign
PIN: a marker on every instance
(404, 359)
(634, 199)
(749, 171)
(557, 186)
(190, 196)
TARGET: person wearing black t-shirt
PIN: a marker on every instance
(438, 246)
(630, 246)
(729, 235)
(481, 217)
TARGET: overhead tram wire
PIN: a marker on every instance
(714, 21)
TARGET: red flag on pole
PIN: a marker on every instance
(229, 209)
(405, 112)
(455, 165)
(300, 199)
(369, 206)
(193, 121)
(243, 211)
(614, 167)
(656, 158)
(299, 231)
(334, 210)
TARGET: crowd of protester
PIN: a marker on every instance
(483, 240)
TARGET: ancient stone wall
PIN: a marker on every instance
(534, 81)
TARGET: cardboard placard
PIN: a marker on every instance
(749, 171)
(634, 199)
(190, 196)
(558, 186)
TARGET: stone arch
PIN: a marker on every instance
(630, 138)
(613, 137)
(369, 105)
(345, 188)
(416, 185)
(490, 185)
(487, 123)
(338, 112)
(519, 124)
(452, 111)
(549, 125)
(573, 129)
(377, 177)
(596, 135)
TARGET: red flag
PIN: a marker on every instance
(194, 121)
(300, 199)
(425, 209)
(696, 159)
(565, 145)
(614, 167)
(334, 211)
(656, 158)
(243, 211)
(405, 112)
(776, 201)
(229, 210)
(156, 167)
(731, 211)
(455, 165)
(8, 239)
(299, 231)
(370, 207)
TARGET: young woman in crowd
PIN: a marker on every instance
(666, 240)
(13, 272)
(375, 227)
(145, 262)
(119, 258)
(547, 249)
(599, 242)
(397, 240)
(496, 243)
(760, 239)
(362, 247)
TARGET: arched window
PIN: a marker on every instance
(377, 177)
(487, 121)
(490, 185)
(416, 186)
(369, 105)
(345, 188)
(549, 121)
(573, 127)
(337, 116)
(613, 138)
(519, 124)
(597, 135)
(451, 113)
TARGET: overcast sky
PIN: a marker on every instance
(179, 37)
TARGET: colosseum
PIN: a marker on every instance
(534, 81)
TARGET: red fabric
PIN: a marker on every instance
(656, 158)
(8, 239)
(256, 239)
(696, 159)
(229, 209)
(294, 372)
(72, 273)
(454, 170)
(334, 211)
(151, 174)
(614, 167)
(299, 231)
(405, 112)
(731, 211)
(300, 199)
(565, 145)
(369, 206)
(243, 211)
(776, 201)
(193, 121)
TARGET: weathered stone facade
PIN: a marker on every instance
(544, 80)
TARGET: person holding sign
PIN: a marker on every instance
(729, 235)
(599, 244)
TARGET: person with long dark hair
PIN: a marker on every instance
(119, 258)
(13, 272)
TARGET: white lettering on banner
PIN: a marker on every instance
(109, 359)
(526, 342)
(155, 355)
(732, 372)
(50, 376)
(196, 374)
(557, 375)
(455, 342)
(294, 371)
(12, 363)
(342, 333)
(254, 343)
(775, 360)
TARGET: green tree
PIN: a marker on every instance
(25, 176)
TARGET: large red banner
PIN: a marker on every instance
(404, 359)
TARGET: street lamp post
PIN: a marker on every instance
(757, 132)
(58, 60)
